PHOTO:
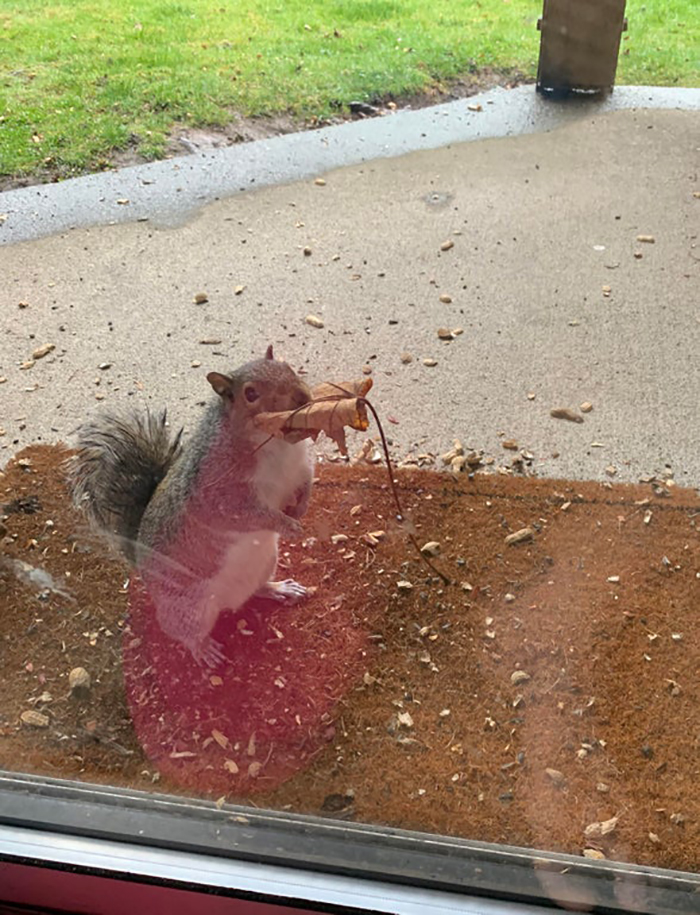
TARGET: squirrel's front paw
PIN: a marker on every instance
(290, 527)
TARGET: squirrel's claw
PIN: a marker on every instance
(210, 653)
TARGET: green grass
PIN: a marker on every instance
(80, 79)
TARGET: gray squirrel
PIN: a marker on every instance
(201, 521)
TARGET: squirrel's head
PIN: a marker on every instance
(262, 386)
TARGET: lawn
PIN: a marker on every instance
(80, 79)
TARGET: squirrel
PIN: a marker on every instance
(201, 521)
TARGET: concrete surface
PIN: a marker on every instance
(543, 214)
(168, 193)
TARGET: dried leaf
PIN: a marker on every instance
(332, 408)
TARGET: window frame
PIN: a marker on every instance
(322, 848)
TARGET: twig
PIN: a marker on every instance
(344, 393)
(395, 493)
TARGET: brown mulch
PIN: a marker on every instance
(424, 727)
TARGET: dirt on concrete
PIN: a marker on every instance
(546, 697)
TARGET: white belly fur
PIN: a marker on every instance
(282, 469)
(248, 564)
(251, 559)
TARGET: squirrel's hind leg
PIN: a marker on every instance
(288, 591)
(209, 653)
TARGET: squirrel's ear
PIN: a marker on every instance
(268, 352)
(222, 384)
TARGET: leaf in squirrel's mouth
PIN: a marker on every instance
(333, 407)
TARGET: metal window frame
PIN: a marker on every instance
(312, 851)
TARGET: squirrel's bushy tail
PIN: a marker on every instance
(120, 461)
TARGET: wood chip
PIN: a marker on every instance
(372, 538)
(431, 548)
(456, 451)
(231, 766)
(593, 853)
(79, 682)
(221, 739)
(33, 719)
(519, 676)
(522, 536)
(600, 828)
(556, 776)
(566, 413)
(44, 350)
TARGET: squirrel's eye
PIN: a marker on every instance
(251, 394)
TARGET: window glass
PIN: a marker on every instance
(492, 638)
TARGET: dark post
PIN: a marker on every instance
(579, 45)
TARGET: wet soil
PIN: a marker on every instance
(552, 685)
